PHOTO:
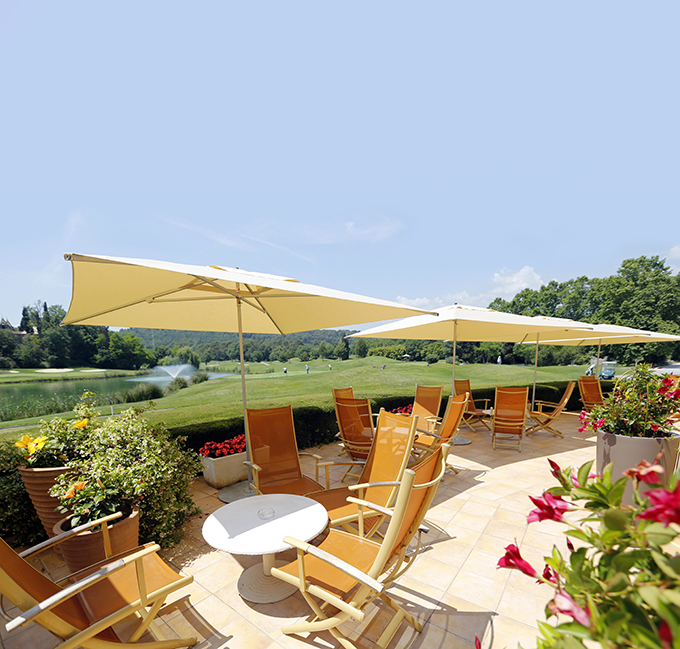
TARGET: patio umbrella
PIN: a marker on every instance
(121, 292)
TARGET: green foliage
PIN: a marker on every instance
(342, 349)
(178, 383)
(620, 584)
(199, 377)
(641, 405)
(19, 522)
(125, 461)
(361, 347)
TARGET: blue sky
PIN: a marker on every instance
(430, 153)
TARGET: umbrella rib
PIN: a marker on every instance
(259, 306)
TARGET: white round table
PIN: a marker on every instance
(257, 526)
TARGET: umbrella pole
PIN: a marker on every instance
(243, 372)
(453, 379)
(597, 365)
(533, 394)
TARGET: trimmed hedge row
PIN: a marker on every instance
(316, 425)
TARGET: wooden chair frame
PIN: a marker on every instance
(543, 420)
(509, 417)
(473, 415)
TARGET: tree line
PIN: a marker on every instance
(643, 293)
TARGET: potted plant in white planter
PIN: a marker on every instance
(223, 461)
(636, 422)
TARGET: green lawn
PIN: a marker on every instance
(221, 398)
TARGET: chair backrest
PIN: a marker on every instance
(272, 443)
(591, 391)
(428, 401)
(389, 455)
(416, 492)
(25, 587)
(563, 401)
(510, 410)
(343, 393)
(462, 386)
(455, 407)
(355, 422)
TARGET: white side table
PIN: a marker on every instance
(257, 526)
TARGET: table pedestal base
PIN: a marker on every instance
(257, 587)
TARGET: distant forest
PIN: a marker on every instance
(644, 293)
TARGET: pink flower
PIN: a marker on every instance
(646, 472)
(563, 603)
(549, 574)
(665, 635)
(554, 469)
(478, 643)
(666, 506)
(570, 545)
(513, 560)
(550, 508)
(598, 423)
(574, 477)
(583, 416)
(582, 429)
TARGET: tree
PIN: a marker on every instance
(361, 347)
(342, 349)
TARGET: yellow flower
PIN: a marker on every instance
(24, 441)
(80, 424)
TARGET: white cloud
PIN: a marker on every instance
(505, 284)
(383, 229)
(673, 253)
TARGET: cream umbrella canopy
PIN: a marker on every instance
(122, 292)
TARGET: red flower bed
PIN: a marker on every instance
(404, 410)
(228, 447)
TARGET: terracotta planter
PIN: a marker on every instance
(222, 471)
(626, 452)
(38, 484)
(87, 547)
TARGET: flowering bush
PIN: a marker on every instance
(228, 447)
(642, 404)
(621, 585)
(404, 410)
(124, 462)
(60, 441)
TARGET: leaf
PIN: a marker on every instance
(662, 561)
(618, 583)
(650, 595)
(624, 561)
(657, 534)
(673, 596)
(583, 473)
(617, 519)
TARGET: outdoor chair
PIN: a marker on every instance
(355, 424)
(426, 405)
(591, 392)
(82, 613)
(543, 420)
(385, 463)
(343, 393)
(346, 572)
(429, 442)
(509, 417)
(472, 415)
(275, 458)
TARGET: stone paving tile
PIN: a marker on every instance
(454, 587)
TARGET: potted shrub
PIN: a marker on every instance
(126, 463)
(619, 585)
(47, 456)
(636, 422)
(86, 501)
(223, 461)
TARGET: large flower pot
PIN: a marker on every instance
(626, 452)
(86, 548)
(222, 471)
(38, 484)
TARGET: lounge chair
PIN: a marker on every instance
(428, 442)
(347, 572)
(509, 417)
(355, 423)
(385, 463)
(426, 405)
(343, 393)
(591, 392)
(543, 419)
(473, 414)
(82, 613)
(275, 458)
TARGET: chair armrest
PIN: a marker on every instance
(369, 505)
(252, 465)
(67, 535)
(318, 458)
(79, 586)
(336, 562)
(364, 485)
(485, 401)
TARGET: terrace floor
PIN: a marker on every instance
(454, 587)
